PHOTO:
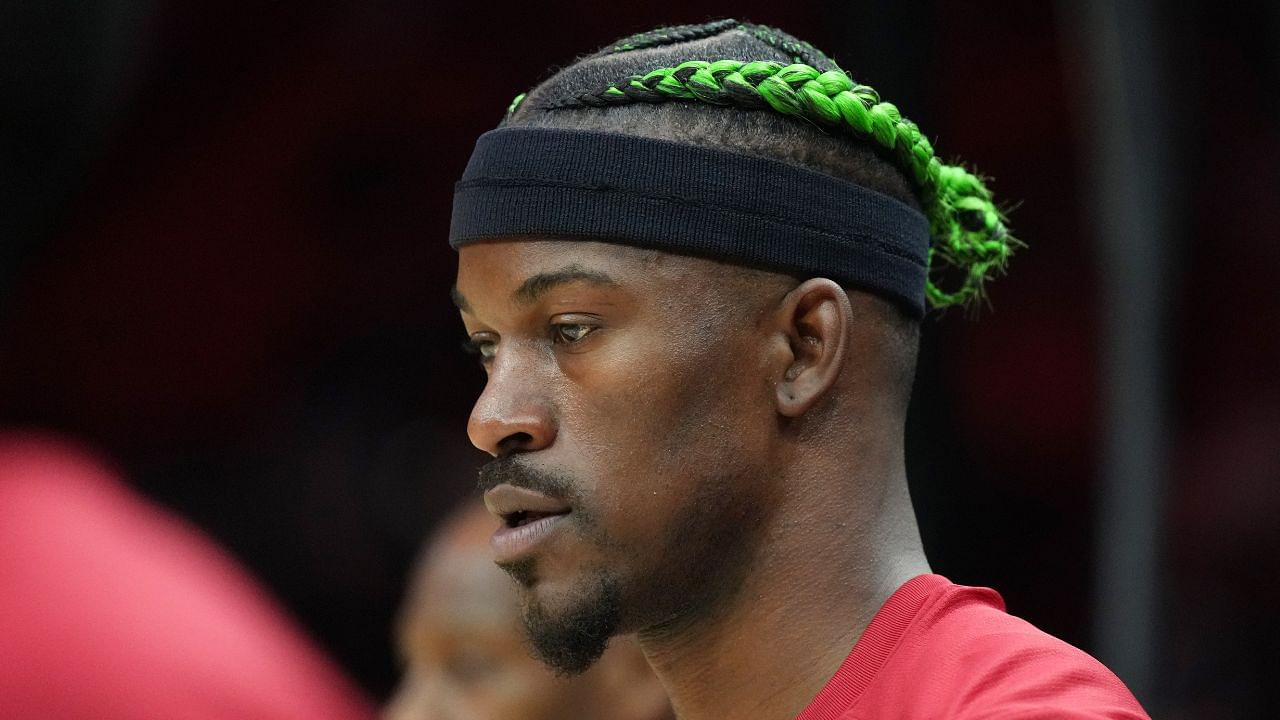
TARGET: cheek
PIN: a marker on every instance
(655, 420)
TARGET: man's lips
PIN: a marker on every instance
(527, 518)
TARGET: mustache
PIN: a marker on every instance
(512, 471)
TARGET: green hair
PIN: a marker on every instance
(969, 233)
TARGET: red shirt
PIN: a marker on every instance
(940, 650)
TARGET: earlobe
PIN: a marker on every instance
(815, 317)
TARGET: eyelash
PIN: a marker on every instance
(557, 335)
(475, 347)
(471, 347)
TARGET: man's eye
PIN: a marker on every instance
(486, 349)
(570, 333)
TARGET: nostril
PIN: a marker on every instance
(515, 442)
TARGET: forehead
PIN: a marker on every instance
(498, 264)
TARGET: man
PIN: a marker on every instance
(459, 632)
(693, 265)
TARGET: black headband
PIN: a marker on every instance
(687, 199)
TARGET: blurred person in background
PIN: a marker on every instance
(465, 659)
(113, 609)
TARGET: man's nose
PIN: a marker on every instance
(512, 414)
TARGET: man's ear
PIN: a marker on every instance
(815, 318)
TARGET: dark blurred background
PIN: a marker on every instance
(223, 264)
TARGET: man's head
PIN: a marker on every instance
(651, 405)
(662, 400)
(460, 637)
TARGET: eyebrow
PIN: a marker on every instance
(538, 285)
(542, 283)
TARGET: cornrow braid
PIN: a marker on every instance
(969, 233)
(669, 35)
(800, 51)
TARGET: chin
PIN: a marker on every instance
(569, 627)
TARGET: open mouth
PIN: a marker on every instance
(529, 518)
(521, 518)
(522, 532)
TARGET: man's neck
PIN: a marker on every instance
(820, 577)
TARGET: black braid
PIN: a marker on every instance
(799, 50)
(670, 36)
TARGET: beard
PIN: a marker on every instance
(695, 566)
(570, 641)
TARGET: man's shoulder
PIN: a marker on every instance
(983, 662)
(936, 649)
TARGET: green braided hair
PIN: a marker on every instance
(969, 233)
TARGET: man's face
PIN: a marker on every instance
(630, 388)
